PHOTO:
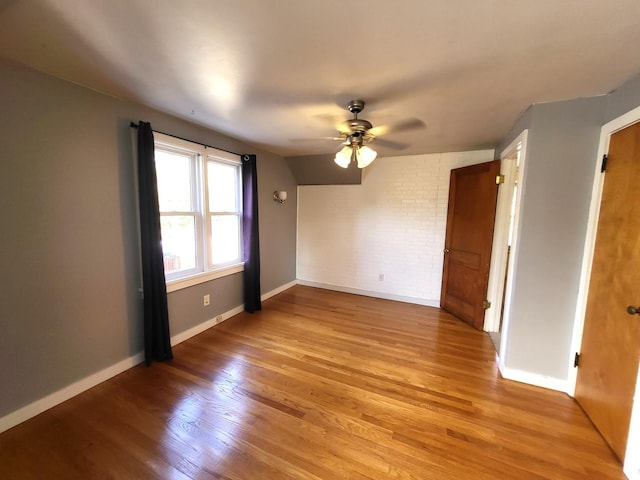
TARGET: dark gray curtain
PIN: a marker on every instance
(250, 240)
(157, 342)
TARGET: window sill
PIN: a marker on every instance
(180, 283)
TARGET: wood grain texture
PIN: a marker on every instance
(319, 385)
(610, 350)
(471, 214)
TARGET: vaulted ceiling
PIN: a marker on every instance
(278, 73)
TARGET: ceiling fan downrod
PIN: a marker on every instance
(355, 107)
(355, 125)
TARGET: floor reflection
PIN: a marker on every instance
(209, 418)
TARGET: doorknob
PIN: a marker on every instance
(446, 250)
(631, 310)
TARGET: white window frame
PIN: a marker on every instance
(201, 155)
(212, 155)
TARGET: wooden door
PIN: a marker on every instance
(611, 340)
(467, 254)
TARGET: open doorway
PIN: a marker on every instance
(505, 242)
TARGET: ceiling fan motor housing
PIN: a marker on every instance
(358, 132)
(355, 125)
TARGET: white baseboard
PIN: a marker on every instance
(39, 406)
(533, 378)
(45, 403)
(31, 410)
(632, 468)
(206, 325)
(278, 290)
(370, 293)
(508, 373)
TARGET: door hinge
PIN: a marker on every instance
(486, 304)
(576, 360)
(499, 179)
(605, 157)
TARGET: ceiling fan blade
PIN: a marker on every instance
(330, 119)
(402, 126)
(314, 139)
(389, 144)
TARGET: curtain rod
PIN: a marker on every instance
(135, 125)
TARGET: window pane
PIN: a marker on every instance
(223, 186)
(178, 243)
(225, 239)
(174, 181)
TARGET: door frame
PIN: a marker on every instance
(632, 465)
(498, 268)
(499, 265)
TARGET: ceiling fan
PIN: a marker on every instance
(356, 133)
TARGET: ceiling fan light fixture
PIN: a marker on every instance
(365, 155)
(343, 157)
(356, 133)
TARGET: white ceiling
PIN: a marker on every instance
(273, 71)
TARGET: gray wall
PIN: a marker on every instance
(322, 170)
(69, 302)
(562, 146)
(523, 123)
(277, 222)
(622, 99)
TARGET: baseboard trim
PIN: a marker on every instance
(370, 293)
(31, 410)
(508, 373)
(206, 325)
(533, 378)
(278, 290)
(76, 388)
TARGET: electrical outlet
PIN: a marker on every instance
(381, 277)
(218, 319)
(207, 300)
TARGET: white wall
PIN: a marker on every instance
(393, 224)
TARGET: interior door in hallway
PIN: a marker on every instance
(467, 254)
(611, 340)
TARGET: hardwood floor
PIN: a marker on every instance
(319, 385)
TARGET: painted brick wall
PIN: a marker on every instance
(384, 237)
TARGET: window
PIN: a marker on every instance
(199, 193)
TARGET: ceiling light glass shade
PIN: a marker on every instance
(365, 156)
(343, 157)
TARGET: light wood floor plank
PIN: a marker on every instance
(320, 385)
